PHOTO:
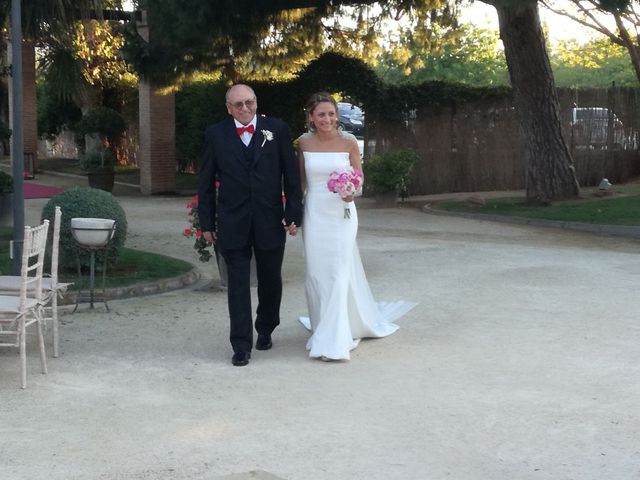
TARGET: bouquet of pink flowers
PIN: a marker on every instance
(345, 183)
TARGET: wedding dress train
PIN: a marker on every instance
(342, 309)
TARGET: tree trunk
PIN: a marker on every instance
(550, 174)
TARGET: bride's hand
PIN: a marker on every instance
(292, 229)
(348, 199)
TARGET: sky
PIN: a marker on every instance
(558, 27)
(478, 12)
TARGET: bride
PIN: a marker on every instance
(341, 307)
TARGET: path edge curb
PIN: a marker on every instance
(141, 289)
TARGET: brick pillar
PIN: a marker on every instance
(29, 109)
(157, 155)
(30, 114)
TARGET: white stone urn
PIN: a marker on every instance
(93, 232)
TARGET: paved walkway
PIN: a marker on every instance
(520, 362)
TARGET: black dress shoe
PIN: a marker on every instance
(240, 359)
(263, 342)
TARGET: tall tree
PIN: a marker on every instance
(195, 34)
(550, 174)
(249, 38)
(473, 56)
(591, 14)
(596, 63)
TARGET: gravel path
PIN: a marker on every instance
(520, 362)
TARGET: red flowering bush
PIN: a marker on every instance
(200, 244)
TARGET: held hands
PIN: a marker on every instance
(210, 237)
(291, 229)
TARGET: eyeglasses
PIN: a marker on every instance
(247, 103)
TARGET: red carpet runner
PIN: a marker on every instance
(36, 190)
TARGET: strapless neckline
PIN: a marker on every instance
(328, 153)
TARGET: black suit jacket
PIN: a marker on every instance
(250, 194)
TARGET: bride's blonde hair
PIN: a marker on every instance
(313, 102)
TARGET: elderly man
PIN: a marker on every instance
(253, 159)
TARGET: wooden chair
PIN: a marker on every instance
(52, 289)
(17, 312)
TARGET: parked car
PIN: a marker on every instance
(351, 118)
(590, 125)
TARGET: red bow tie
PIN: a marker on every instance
(249, 129)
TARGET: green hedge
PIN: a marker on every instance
(89, 203)
(202, 103)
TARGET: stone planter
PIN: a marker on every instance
(102, 178)
(92, 232)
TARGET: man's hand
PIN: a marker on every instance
(210, 237)
(292, 229)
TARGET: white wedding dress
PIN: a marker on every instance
(341, 307)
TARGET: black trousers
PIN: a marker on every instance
(269, 273)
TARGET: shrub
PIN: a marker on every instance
(6, 183)
(98, 159)
(91, 203)
(388, 172)
(104, 121)
(5, 132)
(197, 105)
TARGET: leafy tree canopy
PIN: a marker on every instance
(253, 38)
(625, 16)
(597, 63)
(85, 58)
(473, 57)
(41, 18)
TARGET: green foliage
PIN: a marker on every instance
(202, 103)
(6, 183)
(473, 57)
(54, 113)
(197, 105)
(5, 132)
(136, 267)
(88, 203)
(596, 63)
(616, 210)
(388, 172)
(102, 120)
(274, 39)
(98, 159)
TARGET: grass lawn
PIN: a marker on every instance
(133, 266)
(620, 208)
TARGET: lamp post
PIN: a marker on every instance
(17, 139)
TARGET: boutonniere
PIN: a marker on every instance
(268, 136)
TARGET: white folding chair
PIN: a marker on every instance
(52, 289)
(17, 312)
